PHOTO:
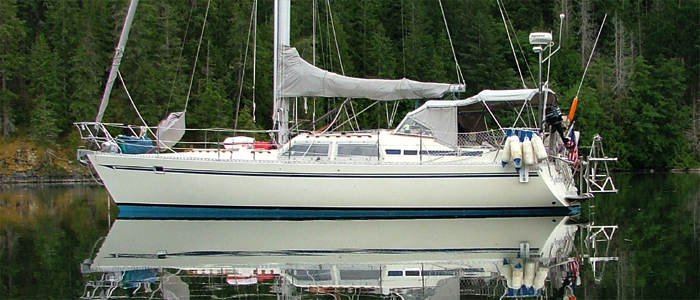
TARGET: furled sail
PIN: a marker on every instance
(299, 78)
(171, 129)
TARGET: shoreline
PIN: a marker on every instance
(54, 180)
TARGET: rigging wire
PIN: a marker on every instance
(194, 68)
(133, 104)
(504, 15)
(313, 52)
(255, 54)
(355, 116)
(591, 56)
(522, 52)
(403, 41)
(349, 119)
(390, 119)
(510, 41)
(179, 60)
(335, 37)
(336, 116)
(460, 76)
(329, 16)
(245, 60)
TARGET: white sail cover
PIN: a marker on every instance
(299, 79)
(440, 117)
(171, 129)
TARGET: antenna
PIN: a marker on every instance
(549, 62)
(540, 42)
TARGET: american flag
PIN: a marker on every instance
(574, 269)
(573, 147)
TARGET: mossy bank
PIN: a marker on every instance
(23, 161)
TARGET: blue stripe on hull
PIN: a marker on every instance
(142, 211)
(314, 252)
(319, 175)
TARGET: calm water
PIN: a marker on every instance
(47, 232)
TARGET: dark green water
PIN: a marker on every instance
(46, 232)
(658, 239)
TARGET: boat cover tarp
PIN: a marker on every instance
(300, 79)
(442, 122)
(441, 117)
(446, 289)
(134, 144)
(132, 278)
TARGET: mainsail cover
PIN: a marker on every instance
(301, 79)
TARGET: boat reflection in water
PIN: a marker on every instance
(423, 258)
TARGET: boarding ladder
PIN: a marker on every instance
(596, 179)
(596, 172)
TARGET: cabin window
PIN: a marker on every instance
(348, 150)
(395, 273)
(311, 275)
(412, 272)
(413, 127)
(359, 274)
(439, 273)
(410, 152)
(473, 270)
(393, 151)
(307, 150)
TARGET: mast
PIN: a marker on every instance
(116, 61)
(280, 114)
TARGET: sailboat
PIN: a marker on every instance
(447, 158)
(380, 257)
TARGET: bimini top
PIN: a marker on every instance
(511, 97)
(443, 119)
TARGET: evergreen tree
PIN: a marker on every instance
(60, 32)
(208, 109)
(11, 34)
(88, 63)
(45, 87)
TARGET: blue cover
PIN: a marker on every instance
(521, 133)
(133, 277)
(134, 144)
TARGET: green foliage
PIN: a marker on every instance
(639, 90)
(41, 251)
(245, 122)
(46, 87)
(11, 34)
(656, 237)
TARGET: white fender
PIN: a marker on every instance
(507, 272)
(540, 278)
(529, 273)
(528, 152)
(516, 151)
(505, 154)
(538, 146)
(517, 276)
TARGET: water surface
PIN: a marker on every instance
(46, 232)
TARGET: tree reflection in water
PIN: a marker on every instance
(46, 232)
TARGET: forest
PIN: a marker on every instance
(640, 91)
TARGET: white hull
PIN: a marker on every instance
(178, 181)
(275, 244)
(379, 256)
